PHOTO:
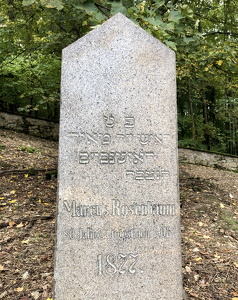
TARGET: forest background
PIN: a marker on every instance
(203, 33)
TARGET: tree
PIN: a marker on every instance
(211, 69)
(203, 33)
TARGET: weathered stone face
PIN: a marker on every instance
(118, 231)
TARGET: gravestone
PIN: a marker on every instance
(118, 222)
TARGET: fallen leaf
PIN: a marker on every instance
(194, 295)
(25, 241)
(25, 275)
(35, 295)
(12, 201)
(45, 275)
(11, 223)
(2, 268)
(196, 250)
(222, 205)
(19, 289)
(196, 277)
(188, 269)
(20, 225)
(204, 253)
(13, 192)
(197, 259)
(3, 294)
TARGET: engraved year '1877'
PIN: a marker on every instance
(112, 264)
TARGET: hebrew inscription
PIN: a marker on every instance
(104, 138)
(112, 157)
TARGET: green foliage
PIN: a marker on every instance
(203, 34)
(228, 217)
(28, 149)
(58, 4)
(31, 149)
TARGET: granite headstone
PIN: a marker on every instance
(118, 220)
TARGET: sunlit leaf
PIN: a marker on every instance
(28, 2)
(198, 258)
(25, 241)
(12, 201)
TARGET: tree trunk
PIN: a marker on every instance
(191, 110)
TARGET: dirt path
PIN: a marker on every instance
(209, 213)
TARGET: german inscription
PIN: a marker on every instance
(118, 210)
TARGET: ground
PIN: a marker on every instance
(209, 217)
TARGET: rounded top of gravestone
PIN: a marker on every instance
(117, 31)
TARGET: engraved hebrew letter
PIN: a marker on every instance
(149, 175)
(109, 121)
(129, 122)
(144, 138)
(139, 175)
(130, 172)
(90, 139)
(104, 158)
(111, 158)
(121, 159)
(120, 135)
(106, 139)
(83, 157)
(164, 173)
(137, 157)
(158, 140)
